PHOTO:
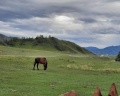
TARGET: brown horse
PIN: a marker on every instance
(41, 61)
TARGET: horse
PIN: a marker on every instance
(41, 60)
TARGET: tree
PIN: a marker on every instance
(118, 57)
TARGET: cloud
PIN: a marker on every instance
(96, 23)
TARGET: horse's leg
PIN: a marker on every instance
(37, 66)
(34, 66)
(44, 66)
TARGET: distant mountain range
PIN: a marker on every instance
(111, 50)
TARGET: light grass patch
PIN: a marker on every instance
(72, 66)
(86, 67)
(110, 69)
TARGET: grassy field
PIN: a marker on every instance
(82, 73)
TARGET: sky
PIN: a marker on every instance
(84, 22)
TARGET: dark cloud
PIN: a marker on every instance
(89, 23)
(88, 20)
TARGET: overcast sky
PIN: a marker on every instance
(85, 22)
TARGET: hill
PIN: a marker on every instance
(46, 43)
(111, 50)
(3, 38)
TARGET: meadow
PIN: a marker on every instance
(79, 72)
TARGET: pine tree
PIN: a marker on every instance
(118, 57)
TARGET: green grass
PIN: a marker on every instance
(82, 73)
(11, 51)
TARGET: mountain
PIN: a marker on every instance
(111, 50)
(46, 43)
(3, 37)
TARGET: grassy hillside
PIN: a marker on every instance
(65, 72)
(12, 51)
(49, 44)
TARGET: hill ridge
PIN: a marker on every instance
(46, 43)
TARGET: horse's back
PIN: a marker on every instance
(41, 60)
